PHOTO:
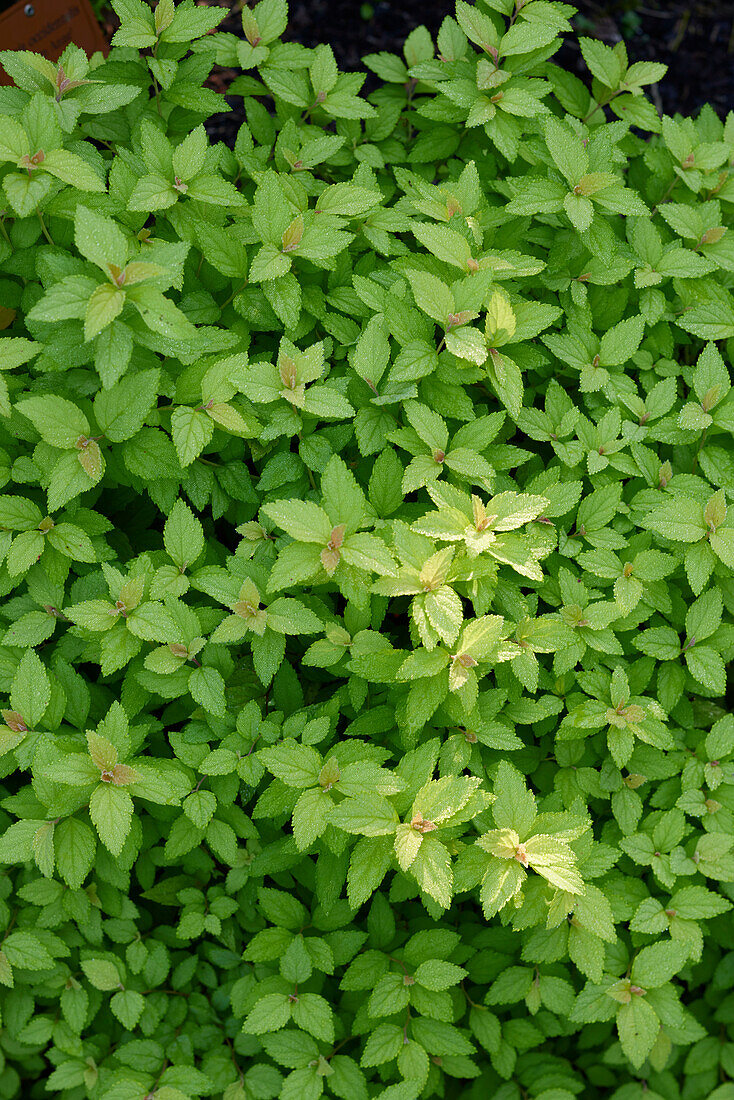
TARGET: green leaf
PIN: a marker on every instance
(514, 805)
(638, 1026)
(295, 764)
(432, 295)
(436, 974)
(567, 150)
(99, 239)
(313, 1014)
(603, 62)
(208, 689)
(191, 430)
(371, 353)
(269, 1014)
(111, 811)
(16, 843)
(657, 964)
(707, 666)
(183, 536)
(444, 243)
(75, 847)
(122, 409)
(432, 870)
(30, 693)
(375, 817)
(105, 303)
(300, 519)
(26, 951)
(57, 421)
(128, 1007)
(101, 973)
(679, 519)
(366, 542)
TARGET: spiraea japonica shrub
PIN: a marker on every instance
(367, 571)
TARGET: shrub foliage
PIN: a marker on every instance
(367, 571)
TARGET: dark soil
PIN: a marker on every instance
(354, 28)
(694, 38)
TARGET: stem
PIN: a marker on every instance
(470, 1002)
(156, 88)
(163, 1069)
(168, 992)
(46, 233)
(410, 89)
(593, 111)
(240, 1074)
(701, 442)
(397, 962)
(233, 295)
(157, 91)
(8, 929)
(4, 231)
(665, 196)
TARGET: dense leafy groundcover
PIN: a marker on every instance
(368, 571)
